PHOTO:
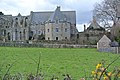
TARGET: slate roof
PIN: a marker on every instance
(95, 26)
(41, 17)
(114, 44)
(57, 15)
(19, 14)
(38, 17)
(6, 17)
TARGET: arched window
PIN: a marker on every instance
(31, 35)
(20, 35)
(15, 34)
(24, 34)
(56, 38)
(21, 22)
(26, 21)
(4, 32)
(8, 35)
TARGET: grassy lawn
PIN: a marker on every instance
(76, 62)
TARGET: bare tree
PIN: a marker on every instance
(106, 11)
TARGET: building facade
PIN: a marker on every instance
(91, 34)
(51, 25)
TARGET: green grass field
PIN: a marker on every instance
(76, 62)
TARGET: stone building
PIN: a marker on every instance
(57, 27)
(92, 34)
(106, 45)
(50, 25)
(103, 43)
(5, 26)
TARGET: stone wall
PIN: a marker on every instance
(59, 31)
(110, 49)
(45, 45)
(119, 50)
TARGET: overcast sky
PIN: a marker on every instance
(83, 8)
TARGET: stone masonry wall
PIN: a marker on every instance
(45, 45)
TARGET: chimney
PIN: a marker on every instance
(58, 8)
(84, 27)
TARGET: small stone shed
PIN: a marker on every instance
(106, 45)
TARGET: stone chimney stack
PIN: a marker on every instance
(84, 27)
(58, 8)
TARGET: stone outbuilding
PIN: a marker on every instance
(106, 45)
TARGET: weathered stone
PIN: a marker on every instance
(61, 25)
(103, 45)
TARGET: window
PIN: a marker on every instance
(16, 34)
(4, 32)
(65, 29)
(16, 18)
(26, 18)
(20, 35)
(8, 35)
(31, 35)
(77, 36)
(57, 30)
(56, 38)
(65, 37)
(24, 33)
(48, 30)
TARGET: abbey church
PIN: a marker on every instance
(50, 25)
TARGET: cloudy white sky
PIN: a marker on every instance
(83, 8)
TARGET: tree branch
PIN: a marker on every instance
(108, 66)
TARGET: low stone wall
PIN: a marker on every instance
(110, 49)
(119, 50)
(44, 45)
